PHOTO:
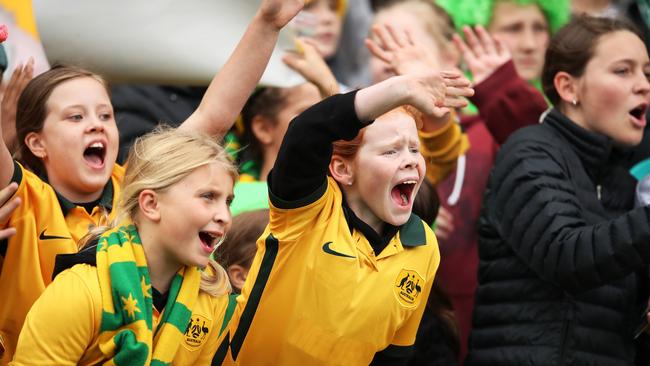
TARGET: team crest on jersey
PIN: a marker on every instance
(197, 331)
(408, 287)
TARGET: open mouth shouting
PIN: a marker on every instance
(638, 113)
(210, 240)
(95, 154)
(403, 193)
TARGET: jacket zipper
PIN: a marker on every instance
(565, 334)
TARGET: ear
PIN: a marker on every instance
(237, 275)
(262, 129)
(149, 207)
(36, 144)
(342, 170)
(566, 87)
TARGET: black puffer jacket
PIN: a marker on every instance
(563, 256)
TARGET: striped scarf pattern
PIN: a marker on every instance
(126, 336)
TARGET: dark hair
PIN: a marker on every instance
(32, 107)
(240, 244)
(573, 46)
(266, 102)
(427, 202)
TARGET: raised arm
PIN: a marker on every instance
(304, 156)
(19, 80)
(505, 101)
(232, 85)
(310, 64)
(442, 140)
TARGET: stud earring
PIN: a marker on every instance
(575, 102)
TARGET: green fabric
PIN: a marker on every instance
(475, 12)
(249, 196)
(127, 312)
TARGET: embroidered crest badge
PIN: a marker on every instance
(408, 287)
(197, 331)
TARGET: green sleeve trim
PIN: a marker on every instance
(271, 246)
(232, 301)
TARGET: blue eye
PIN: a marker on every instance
(75, 117)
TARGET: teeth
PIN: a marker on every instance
(97, 144)
(410, 182)
(405, 199)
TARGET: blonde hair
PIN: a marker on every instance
(156, 162)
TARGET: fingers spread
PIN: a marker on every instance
(385, 37)
(473, 41)
(8, 208)
(377, 51)
(459, 92)
(455, 102)
(486, 40)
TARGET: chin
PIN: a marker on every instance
(630, 141)
(398, 219)
(198, 262)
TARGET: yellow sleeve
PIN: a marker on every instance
(441, 148)
(60, 325)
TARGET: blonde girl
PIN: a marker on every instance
(137, 294)
(69, 140)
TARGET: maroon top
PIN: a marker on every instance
(505, 102)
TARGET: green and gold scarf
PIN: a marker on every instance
(126, 336)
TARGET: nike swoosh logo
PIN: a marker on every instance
(328, 250)
(50, 237)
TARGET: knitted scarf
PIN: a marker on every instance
(126, 336)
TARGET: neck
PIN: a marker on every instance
(269, 156)
(161, 268)
(75, 196)
(572, 112)
(266, 169)
(363, 212)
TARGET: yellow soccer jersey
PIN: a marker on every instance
(317, 294)
(47, 224)
(62, 328)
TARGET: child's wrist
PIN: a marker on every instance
(265, 23)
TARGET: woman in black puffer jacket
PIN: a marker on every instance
(563, 253)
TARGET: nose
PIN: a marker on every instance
(222, 216)
(410, 161)
(643, 85)
(96, 125)
(528, 41)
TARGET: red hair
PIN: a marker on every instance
(348, 149)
